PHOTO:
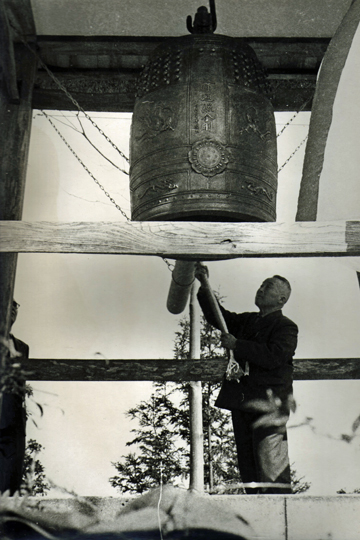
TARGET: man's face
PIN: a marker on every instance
(14, 311)
(270, 294)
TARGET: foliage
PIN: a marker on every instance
(34, 480)
(12, 379)
(160, 459)
(298, 484)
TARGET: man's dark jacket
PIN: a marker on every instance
(12, 431)
(268, 344)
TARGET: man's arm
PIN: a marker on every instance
(275, 352)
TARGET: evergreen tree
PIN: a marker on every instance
(160, 459)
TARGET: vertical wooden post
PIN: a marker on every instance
(196, 424)
(15, 126)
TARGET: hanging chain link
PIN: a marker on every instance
(295, 115)
(306, 102)
(80, 109)
(168, 264)
(68, 95)
(293, 154)
(85, 167)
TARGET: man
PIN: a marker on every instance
(13, 416)
(260, 401)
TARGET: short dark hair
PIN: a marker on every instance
(286, 283)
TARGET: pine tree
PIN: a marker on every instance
(160, 459)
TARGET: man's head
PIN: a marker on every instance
(272, 294)
(14, 310)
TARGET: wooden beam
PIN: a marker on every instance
(101, 72)
(114, 90)
(281, 55)
(15, 130)
(7, 57)
(187, 240)
(16, 24)
(174, 370)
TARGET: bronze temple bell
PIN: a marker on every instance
(203, 139)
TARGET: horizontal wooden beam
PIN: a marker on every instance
(114, 90)
(174, 370)
(283, 55)
(101, 72)
(184, 240)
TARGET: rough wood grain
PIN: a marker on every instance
(7, 57)
(174, 370)
(101, 72)
(283, 55)
(191, 240)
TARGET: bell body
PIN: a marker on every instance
(203, 139)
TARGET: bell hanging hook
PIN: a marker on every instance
(204, 22)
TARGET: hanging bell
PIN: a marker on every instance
(203, 139)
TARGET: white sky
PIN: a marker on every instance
(91, 306)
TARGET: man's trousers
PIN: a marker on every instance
(262, 453)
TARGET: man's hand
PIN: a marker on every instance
(228, 341)
(200, 271)
(9, 344)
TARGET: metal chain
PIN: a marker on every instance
(293, 154)
(80, 109)
(69, 96)
(85, 167)
(169, 265)
(295, 115)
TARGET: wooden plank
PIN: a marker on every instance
(15, 131)
(21, 19)
(95, 90)
(101, 72)
(281, 55)
(322, 115)
(174, 370)
(191, 240)
(16, 24)
(7, 57)
(114, 90)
